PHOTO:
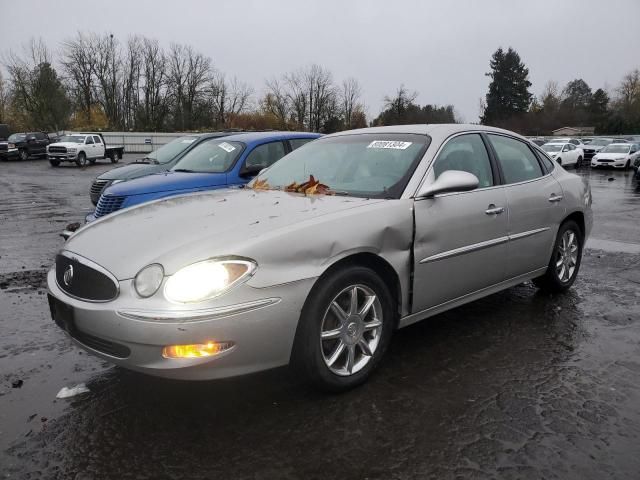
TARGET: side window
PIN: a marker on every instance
(96, 139)
(265, 155)
(298, 142)
(466, 153)
(575, 142)
(89, 141)
(546, 161)
(516, 159)
(31, 136)
(572, 147)
(40, 136)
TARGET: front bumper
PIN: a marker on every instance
(11, 154)
(614, 164)
(62, 157)
(131, 332)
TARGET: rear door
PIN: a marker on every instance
(460, 238)
(536, 205)
(99, 146)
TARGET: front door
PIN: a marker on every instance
(461, 238)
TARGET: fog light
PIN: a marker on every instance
(196, 350)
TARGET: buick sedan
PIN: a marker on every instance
(323, 255)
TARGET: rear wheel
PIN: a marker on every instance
(54, 163)
(565, 260)
(344, 329)
(24, 154)
(113, 157)
(81, 161)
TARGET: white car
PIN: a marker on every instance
(576, 141)
(565, 153)
(617, 155)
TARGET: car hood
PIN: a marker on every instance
(180, 230)
(611, 156)
(597, 148)
(133, 170)
(168, 182)
(65, 144)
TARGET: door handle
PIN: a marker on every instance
(493, 210)
(555, 198)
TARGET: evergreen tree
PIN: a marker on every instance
(509, 88)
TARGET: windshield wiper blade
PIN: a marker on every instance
(183, 170)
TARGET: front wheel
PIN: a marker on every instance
(565, 260)
(81, 161)
(54, 163)
(344, 330)
(24, 154)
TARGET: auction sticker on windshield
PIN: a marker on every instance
(227, 147)
(389, 144)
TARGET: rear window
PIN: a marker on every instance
(517, 161)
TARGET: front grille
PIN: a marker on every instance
(4, 147)
(76, 277)
(108, 204)
(604, 160)
(57, 149)
(96, 189)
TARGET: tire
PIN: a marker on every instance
(113, 157)
(81, 161)
(23, 154)
(627, 165)
(92, 161)
(559, 160)
(552, 281)
(54, 163)
(312, 356)
(579, 162)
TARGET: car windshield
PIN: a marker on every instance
(72, 138)
(616, 149)
(17, 137)
(364, 165)
(212, 156)
(171, 150)
(600, 141)
(552, 147)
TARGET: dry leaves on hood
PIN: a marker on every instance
(260, 185)
(310, 187)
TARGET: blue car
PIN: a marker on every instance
(215, 163)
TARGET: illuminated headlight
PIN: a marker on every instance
(148, 280)
(204, 280)
(12, 145)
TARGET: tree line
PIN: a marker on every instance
(510, 104)
(97, 82)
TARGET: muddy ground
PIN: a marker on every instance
(517, 385)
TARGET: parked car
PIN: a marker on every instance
(595, 146)
(320, 258)
(575, 141)
(565, 153)
(81, 148)
(29, 144)
(586, 140)
(539, 141)
(617, 155)
(214, 163)
(160, 160)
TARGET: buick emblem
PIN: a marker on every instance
(68, 276)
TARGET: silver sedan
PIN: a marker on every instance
(323, 255)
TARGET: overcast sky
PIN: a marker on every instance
(439, 48)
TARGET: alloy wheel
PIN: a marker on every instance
(351, 329)
(567, 256)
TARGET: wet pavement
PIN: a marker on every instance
(517, 385)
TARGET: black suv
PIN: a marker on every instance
(30, 144)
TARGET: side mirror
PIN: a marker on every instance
(450, 181)
(249, 171)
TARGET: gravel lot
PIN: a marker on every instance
(517, 385)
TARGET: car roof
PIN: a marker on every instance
(433, 130)
(250, 137)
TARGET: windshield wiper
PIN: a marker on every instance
(184, 170)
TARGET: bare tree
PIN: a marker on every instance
(321, 94)
(350, 100)
(77, 64)
(297, 99)
(107, 68)
(629, 89)
(189, 73)
(4, 99)
(154, 105)
(399, 103)
(228, 99)
(276, 102)
(131, 77)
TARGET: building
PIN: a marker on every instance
(573, 131)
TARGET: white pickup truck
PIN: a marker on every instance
(81, 148)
